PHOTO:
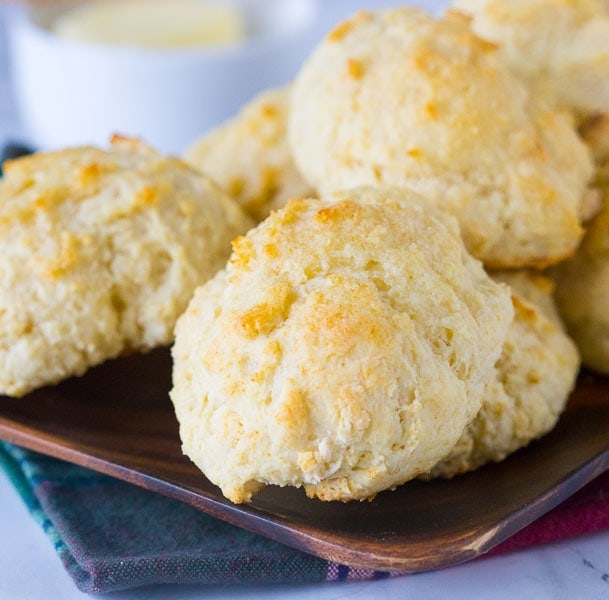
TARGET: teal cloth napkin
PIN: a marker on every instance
(111, 535)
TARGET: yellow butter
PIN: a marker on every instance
(152, 23)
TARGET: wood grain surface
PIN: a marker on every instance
(118, 419)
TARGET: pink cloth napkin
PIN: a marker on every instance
(585, 512)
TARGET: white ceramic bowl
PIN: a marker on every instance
(71, 93)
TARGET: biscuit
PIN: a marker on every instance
(250, 157)
(560, 47)
(582, 293)
(400, 98)
(100, 251)
(344, 349)
(531, 385)
(595, 133)
(583, 280)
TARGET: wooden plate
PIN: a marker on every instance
(118, 419)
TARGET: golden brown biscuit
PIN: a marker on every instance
(399, 98)
(583, 281)
(344, 349)
(100, 253)
(250, 157)
(559, 46)
(582, 293)
(595, 132)
(532, 381)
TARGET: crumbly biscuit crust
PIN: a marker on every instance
(400, 98)
(250, 158)
(100, 253)
(560, 47)
(344, 349)
(531, 384)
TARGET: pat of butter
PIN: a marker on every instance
(152, 23)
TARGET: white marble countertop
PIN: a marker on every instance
(30, 569)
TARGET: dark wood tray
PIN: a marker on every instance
(118, 419)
